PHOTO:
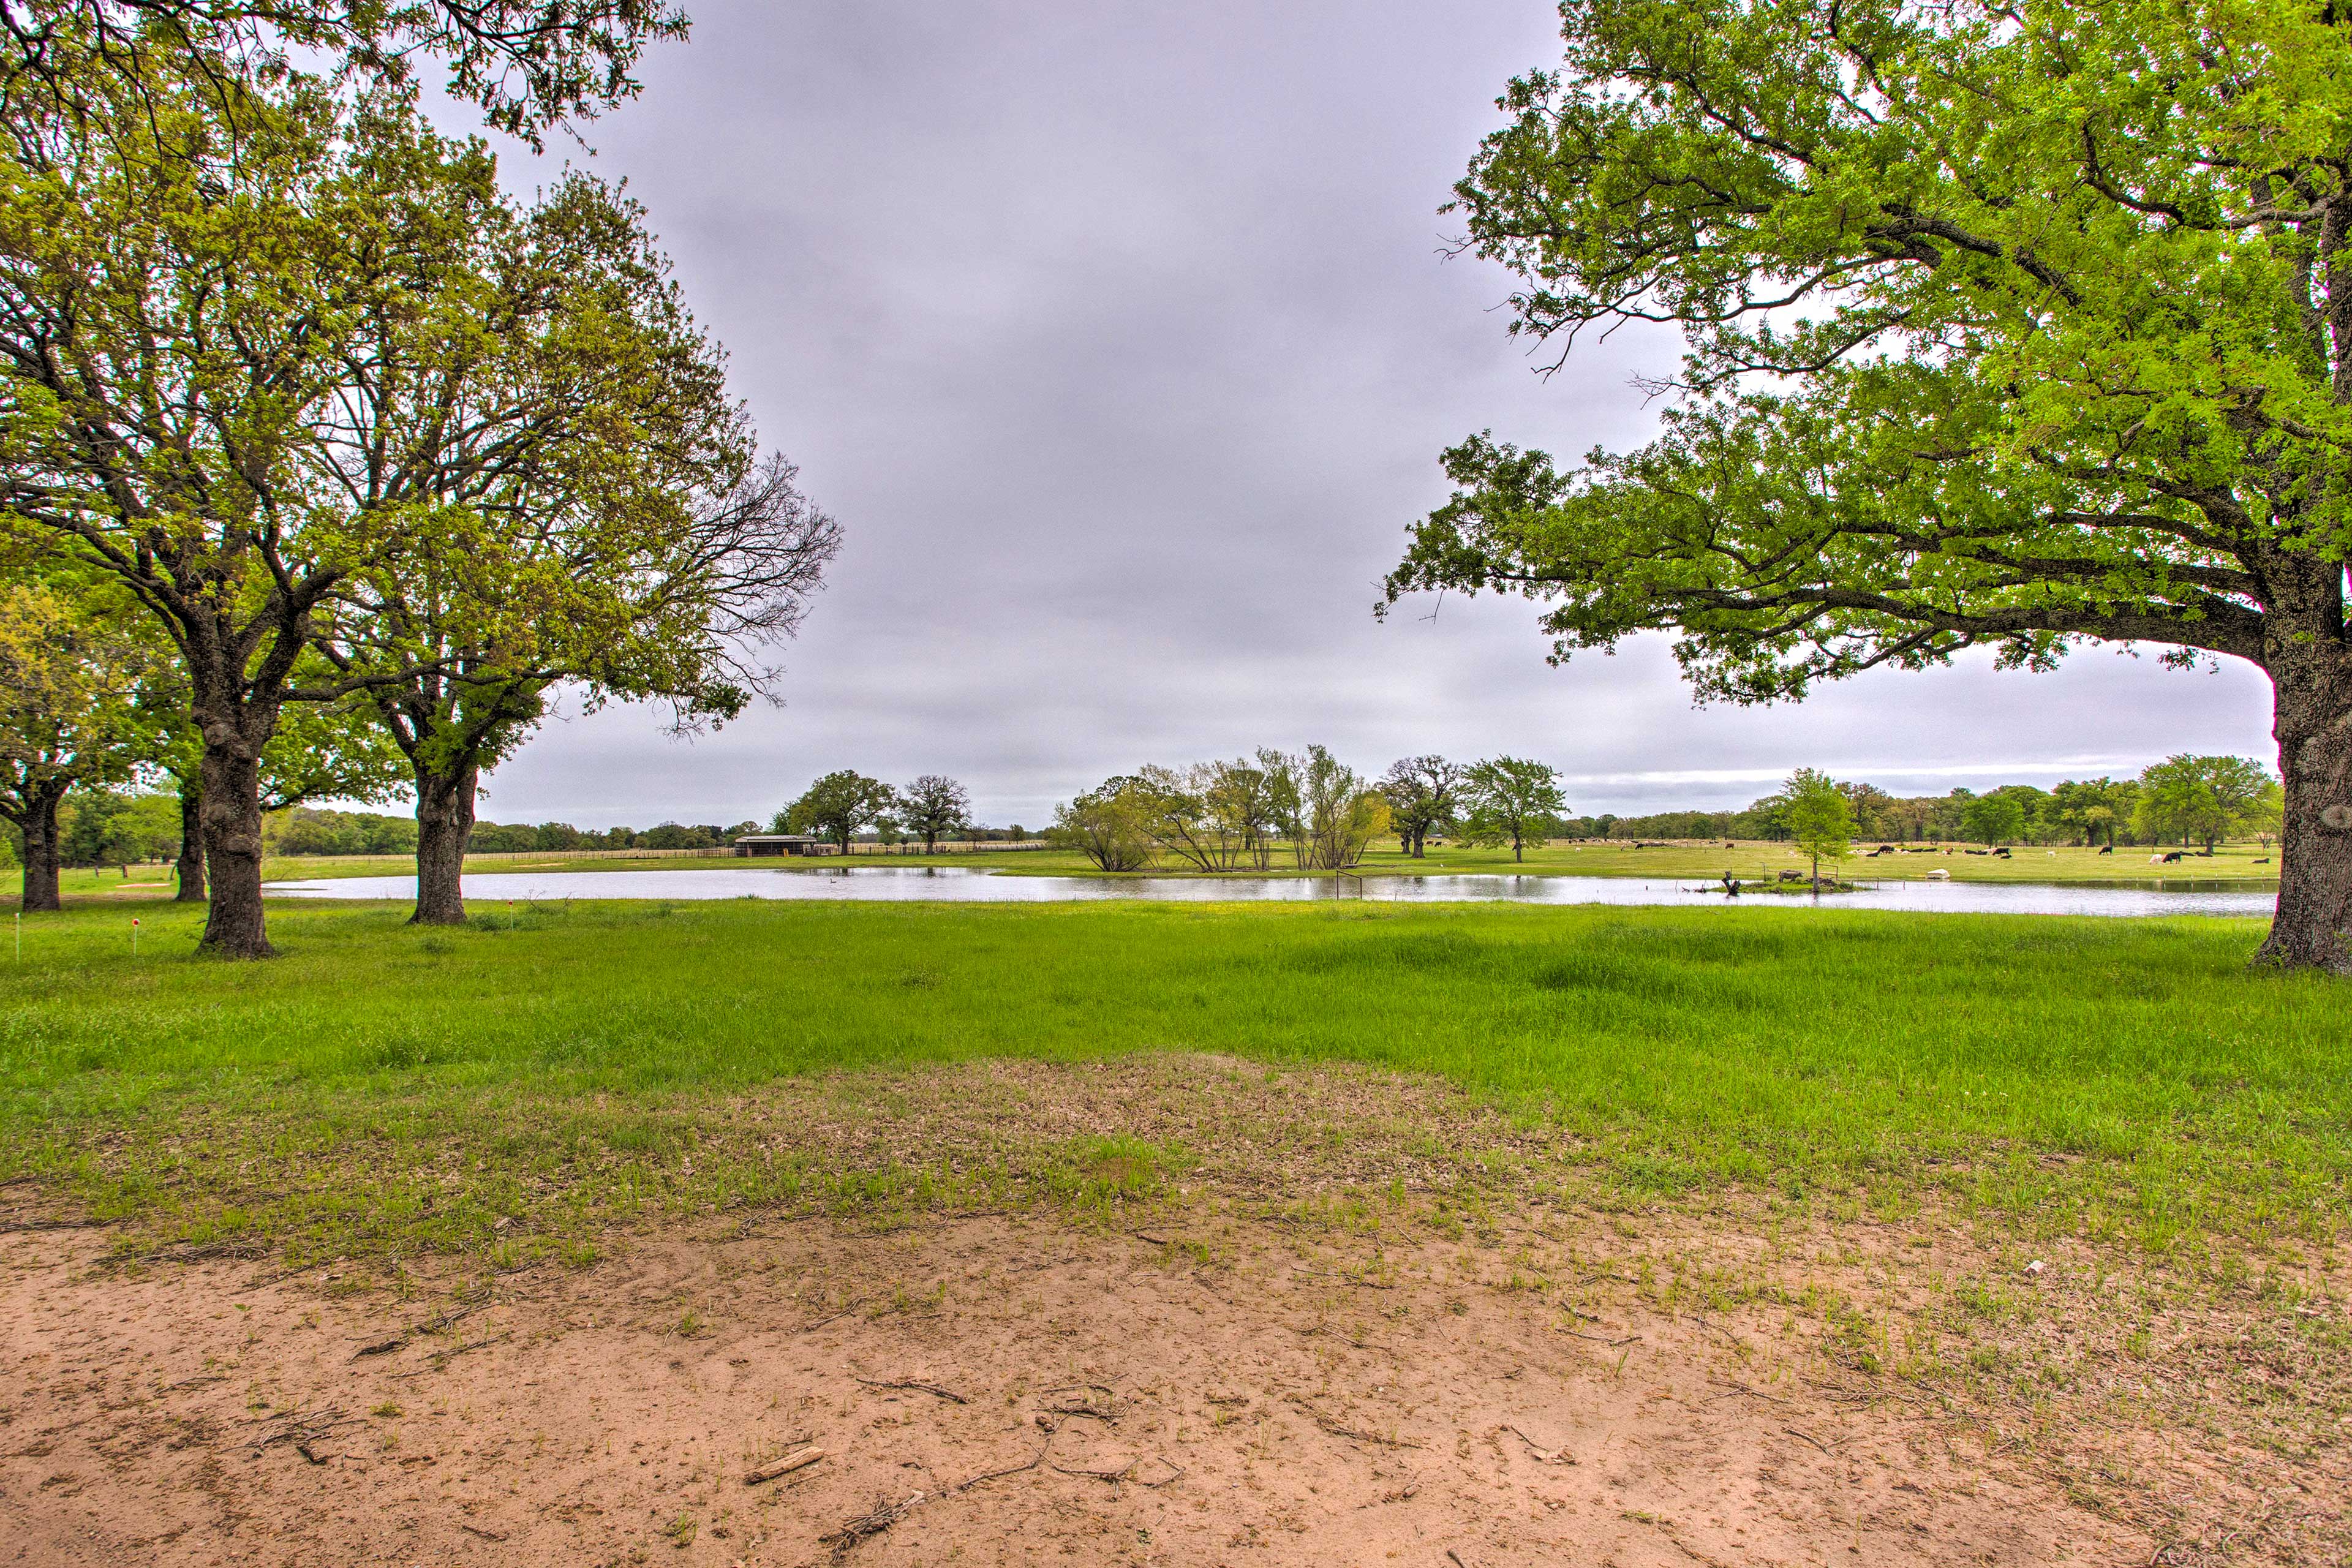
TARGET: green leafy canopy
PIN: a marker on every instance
(2002, 328)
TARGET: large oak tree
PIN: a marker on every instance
(597, 516)
(191, 266)
(2004, 326)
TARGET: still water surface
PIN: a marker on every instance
(955, 884)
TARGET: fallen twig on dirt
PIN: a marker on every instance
(949, 1395)
(784, 1467)
(443, 1358)
(1127, 1472)
(1731, 1388)
(10, 1227)
(484, 1534)
(1036, 1459)
(1728, 1337)
(432, 1326)
(1336, 1430)
(304, 1430)
(1543, 1455)
(1604, 1339)
(1078, 1399)
(1809, 1437)
(866, 1526)
(840, 1312)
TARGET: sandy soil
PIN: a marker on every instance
(1068, 1396)
(1342, 1339)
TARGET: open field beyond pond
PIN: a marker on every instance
(1165, 1232)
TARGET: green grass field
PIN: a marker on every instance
(2247, 865)
(383, 1087)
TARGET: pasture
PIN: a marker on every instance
(422, 1241)
(2129, 1076)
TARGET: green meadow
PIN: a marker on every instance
(380, 1086)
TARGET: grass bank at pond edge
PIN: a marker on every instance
(557, 1067)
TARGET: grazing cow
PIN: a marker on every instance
(2264, 861)
(2175, 856)
(2106, 849)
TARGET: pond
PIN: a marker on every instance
(956, 884)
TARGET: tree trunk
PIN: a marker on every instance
(41, 851)
(445, 821)
(231, 783)
(2312, 927)
(192, 842)
(1417, 839)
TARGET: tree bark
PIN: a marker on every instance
(231, 784)
(192, 842)
(445, 822)
(42, 854)
(2312, 927)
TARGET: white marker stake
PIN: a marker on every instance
(134, 939)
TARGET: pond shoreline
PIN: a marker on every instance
(985, 885)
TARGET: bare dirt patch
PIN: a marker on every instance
(1319, 1342)
(1123, 1407)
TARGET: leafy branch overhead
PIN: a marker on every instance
(531, 65)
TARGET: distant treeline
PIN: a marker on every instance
(304, 831)
(2184, 797)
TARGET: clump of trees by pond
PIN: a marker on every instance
(1306, 810)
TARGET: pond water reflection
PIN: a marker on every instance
(956, 884)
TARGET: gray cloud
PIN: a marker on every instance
(1119, 338)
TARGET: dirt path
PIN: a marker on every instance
(1233, 1393)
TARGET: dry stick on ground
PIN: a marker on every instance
(1543, 1455)
(484, 1534)
(1809, 1437)
(1080, 1401)
(1036, 1459)
(386, 1346)
(866, 1526)
(1732, 1388)
(443, 1358)
(1336, 1430)
(303, 1431)
(1126, 1473)
(784, 1467)
(829, 1317)
(1604, 1339)
(907, 1383)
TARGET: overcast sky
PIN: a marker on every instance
(1119, 338)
